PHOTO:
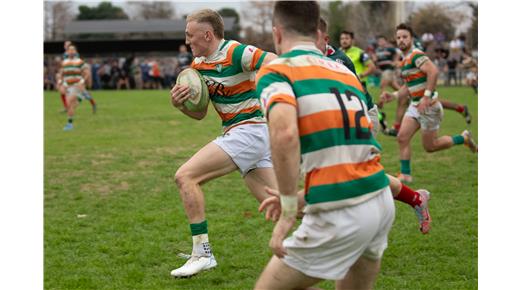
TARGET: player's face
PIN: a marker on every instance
(404, 39)
(198, 38)
(381, 42)
(345, 41)
(71, 51)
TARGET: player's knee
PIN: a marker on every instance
(182, 178)
(402, 140)
(429, 148)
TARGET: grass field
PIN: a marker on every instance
(113, 218)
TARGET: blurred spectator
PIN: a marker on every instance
(155, 75)
(104, 75)
(118, 77)
(94, 66)
(170, 70)
(135, 71)
(452, 64)
(48, 78)
(184, 57)
(145, 76)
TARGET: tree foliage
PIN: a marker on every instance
(235, 31)
(153, 10)
(104, 10)
(57, 14)
(432, 18)
(473, 31)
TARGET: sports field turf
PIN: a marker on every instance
(113, 218)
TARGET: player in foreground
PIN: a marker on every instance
(419, 199)
(72, 77)
(228, 68)
(317, 116)
(425, 111)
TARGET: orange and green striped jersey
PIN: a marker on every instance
(339, 155)
(72, 70)
(413, 77)
(230, 75)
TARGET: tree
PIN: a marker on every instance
(260, 14)
(473, 30)
(335, 15)
(432, 18)
(235, 31)
(153, 10)
(104, 10)
(57, 14)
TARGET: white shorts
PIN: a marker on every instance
(373, 114)
(328, 243)
(74, 91)
(431, 119)
(248, 146)
(388, 75)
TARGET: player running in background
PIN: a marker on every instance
(318, 121)
(425, 111)
(362, 62)
(419, 199)
(72, 74)
(88, 79)
(387, 57)
(228, 68)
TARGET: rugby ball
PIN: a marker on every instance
(199, 95)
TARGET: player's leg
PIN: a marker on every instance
(208, 163)
(409, 127)
(72, 103)
(430, 122)
(63, 97)
(277, 275)
(462, 109)
(88, 96)
(362, 275)
(257, 179)
(402, 105)
(417, 199)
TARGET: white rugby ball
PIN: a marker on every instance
(199, 95)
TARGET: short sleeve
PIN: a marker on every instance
(273, 88)
(251, 58)
(419, 59)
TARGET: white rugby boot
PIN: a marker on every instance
(195, 265)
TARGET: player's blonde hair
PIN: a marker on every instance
(211, 17)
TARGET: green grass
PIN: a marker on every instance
(114, 220)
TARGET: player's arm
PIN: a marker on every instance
(401, 93)
(86, 74)
(253, 58)
(371, 67)
(279, 104)
(285, 153)
(429, 68)
(178, 95)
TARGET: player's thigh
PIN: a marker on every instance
(361, 276)
(409, 127)
(277, 275)
(208, 163)
(428, 138)
(257, 179)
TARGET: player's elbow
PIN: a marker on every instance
(285, 137)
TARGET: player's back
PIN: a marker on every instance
(340, 157)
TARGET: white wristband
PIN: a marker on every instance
(428, 93)
(289, 205)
